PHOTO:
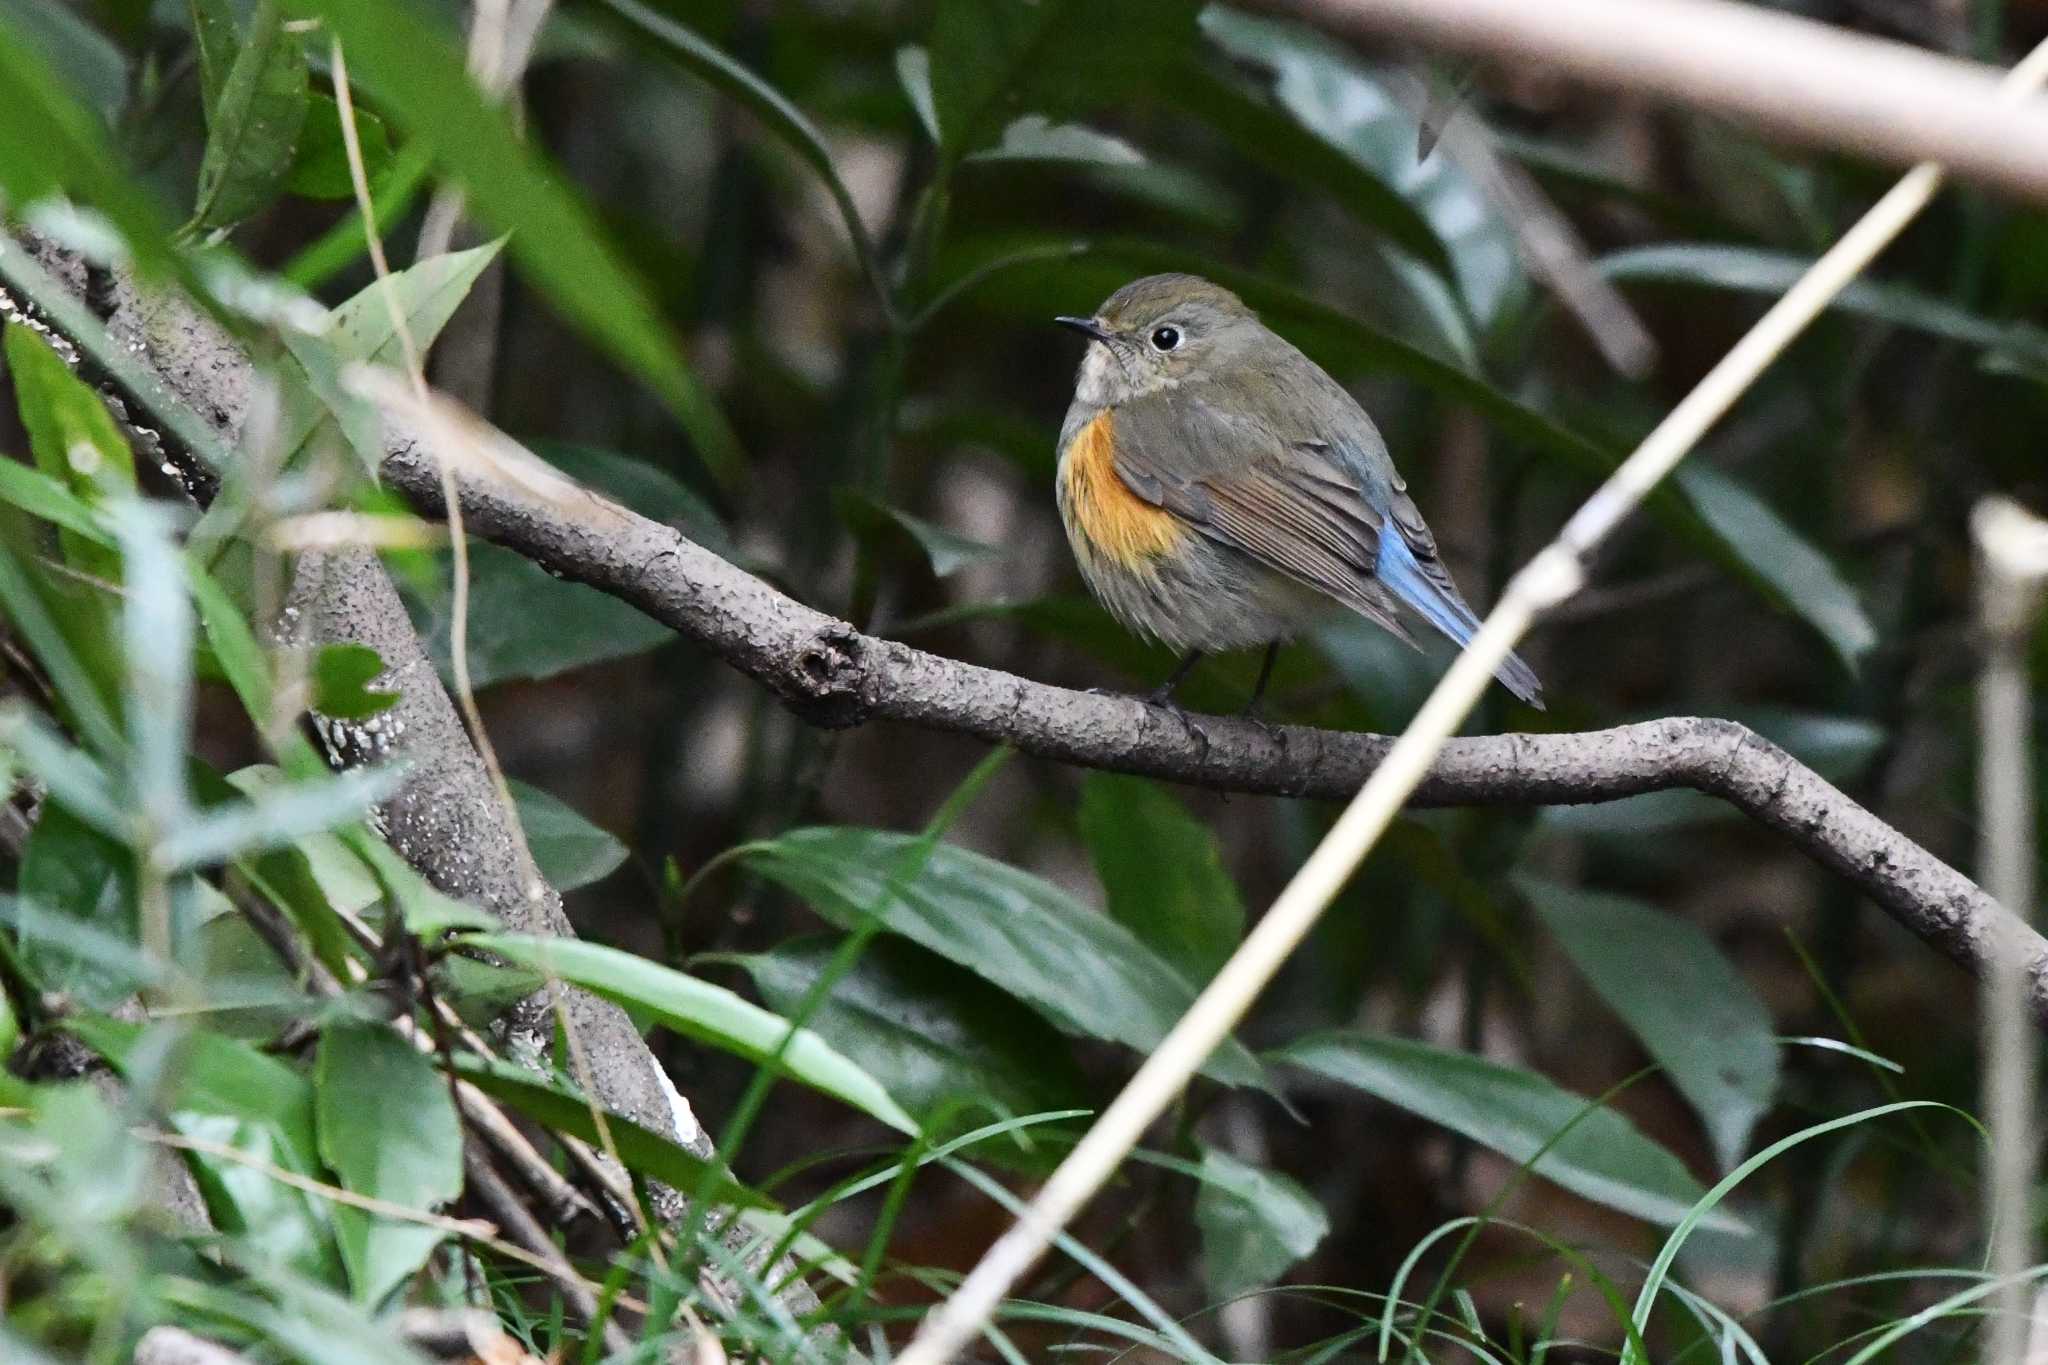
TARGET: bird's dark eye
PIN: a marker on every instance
(1165, 338)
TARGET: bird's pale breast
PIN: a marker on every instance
(1105, 518)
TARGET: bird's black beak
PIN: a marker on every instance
(1087, 327)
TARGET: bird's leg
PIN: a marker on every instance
(1251, 708)
(1162, 695)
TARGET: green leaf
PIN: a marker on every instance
(1034, 137)
(72, 874)
(341, 682)
(73, 437)
(1161, 872)
(428, 295)
(253, 112)
(69, 630)
(217, 35)
(10, 1024)
(1515, 1112)
(391, 194)
(246, 666)
(1255, 1223)
(690, 51)
(279, 817)
(39, 495)
(320, 170)
(157, 636)
(569, 850)
(86, 59)
(304, 1321)
(927, 1030)
(551, 1102)
(223, 1091)
(1675, 990)
(1278, 142)
(1800, 576)
(361, 330)
(995, 60)
(914, 74)
(302, 882)
(1333, 97)
(1753, 270)
(1084, 972)
(703, 1011)
(50, 142)
(388, 1129)
(525, 623)
(423, 86)
(877, 524)
(70, 775)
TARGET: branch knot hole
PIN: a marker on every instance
(824, 683)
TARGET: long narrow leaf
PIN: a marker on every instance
(39, 495)
(644, 1152)
(70, 774)
(253, 117)
(156, 621)
(50, 142)
(422, 84)
(690, 51)
(702, 1010)
(77, 690)
(85, 330)
(278, 818)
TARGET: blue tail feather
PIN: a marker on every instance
(1398, 570)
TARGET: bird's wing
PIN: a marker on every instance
(1294, 506)
(1323, 506)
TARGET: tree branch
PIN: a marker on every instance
(833, 675)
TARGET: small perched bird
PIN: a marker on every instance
(1218, 487)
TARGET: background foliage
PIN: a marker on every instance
(781, 276)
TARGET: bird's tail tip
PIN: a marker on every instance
(1520, 679)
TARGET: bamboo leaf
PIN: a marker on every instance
(423, 86)
(254, 111)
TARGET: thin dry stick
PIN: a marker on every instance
(469, 1229)
(580, 1065)
(2012, 558)
(497, 1196)
(1549, 578)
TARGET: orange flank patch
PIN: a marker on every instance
(1113, 521)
